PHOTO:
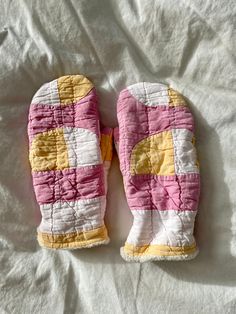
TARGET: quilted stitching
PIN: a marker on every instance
(153, 155)
(72, 88)
(163, 202)
(69, 175)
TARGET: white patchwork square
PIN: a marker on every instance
(150, 94)
(47, 94)
(166, 227)
(184, 151)
(68, 217)
(83, 147)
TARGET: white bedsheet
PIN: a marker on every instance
(189, 44)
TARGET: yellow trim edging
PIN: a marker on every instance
(158, 250)
(74, 239)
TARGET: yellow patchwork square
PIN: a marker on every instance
(48, 151)
(72, 88)
(154, 155)
(176, 99)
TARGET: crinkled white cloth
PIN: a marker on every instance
(188, 44)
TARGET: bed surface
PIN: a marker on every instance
(189, 45)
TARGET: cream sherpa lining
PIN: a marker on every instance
(151, 258)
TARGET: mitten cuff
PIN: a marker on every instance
(161, 235)
(74, 240)
(133, 253)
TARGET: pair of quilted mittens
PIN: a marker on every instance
(70, 156)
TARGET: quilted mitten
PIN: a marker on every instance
(70, 158)
(160, 172)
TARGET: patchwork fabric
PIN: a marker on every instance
(70, 156)
(158, 161)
